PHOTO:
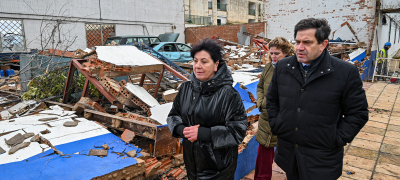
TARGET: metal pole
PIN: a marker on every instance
(395, 32)
(390, 27)
(70, 78)
(373, 75)
(85, 88)
(159, 81)
(101, 34)
(142, 80)
(23, 35)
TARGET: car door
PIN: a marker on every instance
(171, 52)
(184, 50)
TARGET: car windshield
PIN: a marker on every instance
(116, 40)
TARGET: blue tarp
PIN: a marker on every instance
(247, 159)
(78, 166)
(369, 67)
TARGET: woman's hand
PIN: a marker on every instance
(191, 132)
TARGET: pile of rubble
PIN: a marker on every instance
(126, 108)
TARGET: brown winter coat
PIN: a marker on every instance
(264, 135)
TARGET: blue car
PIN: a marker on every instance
(174, 51)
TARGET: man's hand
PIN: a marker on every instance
(191, 132)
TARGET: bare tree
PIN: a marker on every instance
(53, 35)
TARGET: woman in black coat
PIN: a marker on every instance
(209, 115)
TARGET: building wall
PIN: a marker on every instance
(228, 32)
(68, 31)
(237, 11)
(196, 7)
(282, 15)
(383, 33)
(129, 17)
(390, 4)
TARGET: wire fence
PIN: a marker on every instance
(97, 34)
(12, 37)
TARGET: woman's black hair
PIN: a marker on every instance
(211, 46)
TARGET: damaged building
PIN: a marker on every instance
(372, 22)
(221, 12)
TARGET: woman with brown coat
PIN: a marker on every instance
(278, 49)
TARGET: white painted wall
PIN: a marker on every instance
(128, 17)
(390, 4)
(282, 15)
(69, 31)
(223, 20)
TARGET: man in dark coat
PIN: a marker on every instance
(315, 105)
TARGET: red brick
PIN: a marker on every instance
(127, 136)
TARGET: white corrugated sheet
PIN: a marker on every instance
(125, 56)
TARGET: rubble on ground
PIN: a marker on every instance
(132, 104)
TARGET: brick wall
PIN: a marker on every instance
(229, 32)
(282, 15)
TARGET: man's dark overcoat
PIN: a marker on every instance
(315, 119)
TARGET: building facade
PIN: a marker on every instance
(68, 25)
(363, 17)
(220, 12)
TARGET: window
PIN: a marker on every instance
(110, 40)
(12, 36)
(252, 9)
(169, 48)
(221, 5)
(218, 22)
(130, 40)
(209, 5)
(154, 40)
(143, 40)
(183, 48)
